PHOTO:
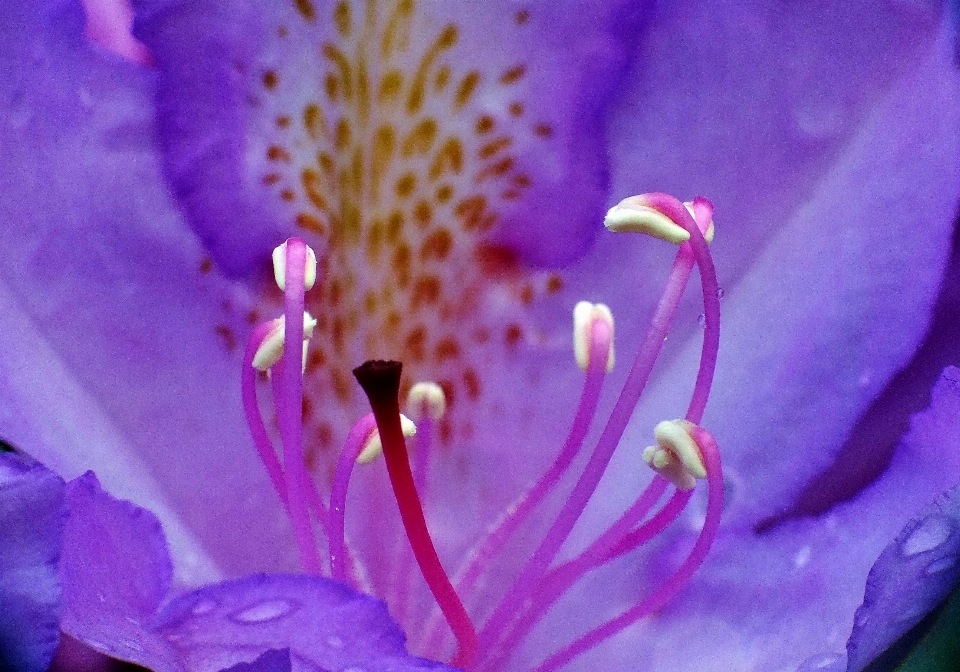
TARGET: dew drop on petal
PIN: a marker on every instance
(802, 558)
(702, 320)
(262, 612)
(720, 292)
(203, 607)
(941, 565)
(929, 535)
(334, 642)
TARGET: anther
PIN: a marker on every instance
(271, 349)
(677, 456)
(426, 400)
(636, 215)
(584, 314)
(373, 446)
(280, 267)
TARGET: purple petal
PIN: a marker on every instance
(922, 565)
(274, 660)
(116, 571)
(32, 516)
(325, 625)
(125, 359)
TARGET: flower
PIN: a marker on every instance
(818, 314)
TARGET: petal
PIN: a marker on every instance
(32, 516)
(116, 571)
(510, 125)
(325, 625)
(124, 359)
(922, 565)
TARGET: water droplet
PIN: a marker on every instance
(941, 565)
(101, 597)
(802, 557)
(132, 645)
(702, 320)
(720, 292)
(203, 607)
(862, 619)
(354, 669)
(334, 642)
(931, 533)
(264, 611)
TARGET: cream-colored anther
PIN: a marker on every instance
(630, 216)
(373, 447)
(280, 267)
(677, 456)
(584, 314)
(271, 350)
(426, 400)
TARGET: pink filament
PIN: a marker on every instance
(254, 416)
(289, 405)
(664, 593)
(483, 555)
(352, 448)
(251, 409)
(694, 250)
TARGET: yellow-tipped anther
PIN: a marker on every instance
(280, 267)
(271, 350)
(584, 314)
(676, 456)
(426, 400)
(373, 447)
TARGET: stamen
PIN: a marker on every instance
(280, 267)
(352, 448)
(584, 314)
(380, 381)
(711, 456)
(676, 457)
(289, 404)
(271, 347)
(482, 556)
(372, 448)
(694, 250)
(637, 214)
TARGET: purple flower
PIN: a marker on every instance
(444, 165)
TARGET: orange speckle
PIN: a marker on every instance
(287, 195)
(496, 261)
(465, 89)
(270, 80)
(206, 265)
(394, 227)
(494, 146)
(309, 222)
(271, 178)
(436, 246)
(484, 124)
(422, 214)
(426, 290)
(311, 185)
(227, 336)
(306, 9)
(512, 335)
(448, 158)
(315, 122)
(415, 345)
(315, 360)
(522, 17)
(513, 75)
(421, 138)
(526, 294)
(446, 349)
(543, 130)
(401, 265)
(341, 18)
(471, 383)
(406, 184)
(331, 86)
(343, 134)
(278, 153)
(444, 193)
(516, 109)
(283, 121)
(472, 213)
(554, 283)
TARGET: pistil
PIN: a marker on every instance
(380, 381)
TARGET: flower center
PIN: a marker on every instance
(684, 454)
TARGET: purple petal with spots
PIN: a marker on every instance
(252, 95)
(325, 625)
(116, 571)
(32, 517)
(274, 660)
